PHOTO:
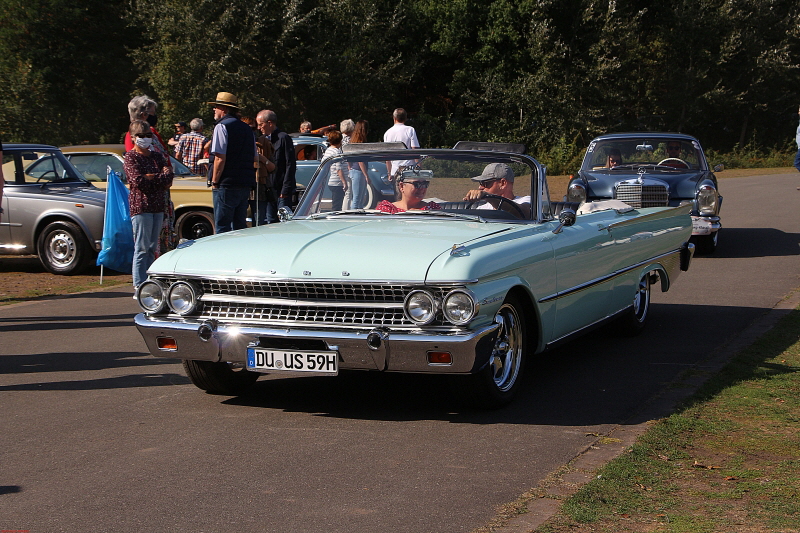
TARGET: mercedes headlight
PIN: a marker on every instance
(707, 200)
(182, 298)
(576, 193)
(420, 307)
(459, 307)
(150, 295)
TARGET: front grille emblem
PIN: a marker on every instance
(345, 273)
(306, 272)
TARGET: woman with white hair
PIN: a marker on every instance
(144, 108)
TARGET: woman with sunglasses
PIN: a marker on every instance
(412, 188)
(149, 176)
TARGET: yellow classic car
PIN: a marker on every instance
(194, 207)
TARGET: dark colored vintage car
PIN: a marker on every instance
(474, 288)
(653, 170)
(50, 209)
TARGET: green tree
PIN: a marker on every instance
(64, 70)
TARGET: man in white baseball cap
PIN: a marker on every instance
(497, 179)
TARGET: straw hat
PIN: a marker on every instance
(227, 100)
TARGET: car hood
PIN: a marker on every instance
(365, 249)
(681, 184)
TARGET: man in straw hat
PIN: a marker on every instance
(233, 163)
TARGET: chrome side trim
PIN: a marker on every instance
(243, 279)
(658, 214)
(608, 277)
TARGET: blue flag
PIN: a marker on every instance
(117, 252)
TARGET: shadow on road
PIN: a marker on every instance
(755, 242)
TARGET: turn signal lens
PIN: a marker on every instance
(167, 343)
(440, 358)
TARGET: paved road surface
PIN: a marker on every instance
(97, 435)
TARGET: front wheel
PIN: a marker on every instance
(63, 248)
(497, 383)
(219, 377)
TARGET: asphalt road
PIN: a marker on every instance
(98, 435)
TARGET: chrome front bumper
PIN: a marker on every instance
(358, 349)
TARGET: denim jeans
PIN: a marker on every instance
(357, 182)
(230, 208)
(797, 160)
(146, 229)
(337, 197)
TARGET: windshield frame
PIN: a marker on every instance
(538, 180)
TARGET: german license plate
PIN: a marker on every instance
(266, 360)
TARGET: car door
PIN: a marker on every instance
(582, 258)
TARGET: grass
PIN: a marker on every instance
(728, 460)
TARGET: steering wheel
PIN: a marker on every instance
(674, 160)
(509, 206)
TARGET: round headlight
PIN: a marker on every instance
(576, 193)
(458, 308)
(420, 307)
(707, 200)
(151, 296)
(182, 298)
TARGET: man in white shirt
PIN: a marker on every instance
(497, 179)
(400, 133)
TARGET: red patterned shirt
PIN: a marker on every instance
(388, 207)
(147, 196)
(190, 149)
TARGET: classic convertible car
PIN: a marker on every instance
(471, 288)
(652, 170)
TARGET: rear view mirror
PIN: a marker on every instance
(644, 147)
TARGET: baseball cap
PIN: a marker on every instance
(496, 171)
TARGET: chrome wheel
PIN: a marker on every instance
(641, 300)
(506, 358)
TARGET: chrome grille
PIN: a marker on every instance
(638, 195)
(363, 292)
(350, 316)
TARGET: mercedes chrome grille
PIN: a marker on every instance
(637, 195)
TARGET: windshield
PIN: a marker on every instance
(38, 166)
(666, 153)
(438, 183)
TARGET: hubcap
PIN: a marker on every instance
(641, 300)
(507, 351)
(62, 248)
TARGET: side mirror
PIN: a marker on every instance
(719, 168)
(567, 217)
(285, 214)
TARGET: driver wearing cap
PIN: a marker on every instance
(496, 180)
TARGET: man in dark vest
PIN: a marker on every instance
(283, 182)
(234, 156)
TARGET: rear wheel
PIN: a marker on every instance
(62, 248)
(497, 383)
(194, 225)
(219, 377)
(634, 319)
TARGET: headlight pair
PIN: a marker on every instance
(181, 297)
(458, 307)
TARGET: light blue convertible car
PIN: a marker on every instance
(448, 286)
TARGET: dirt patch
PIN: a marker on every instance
(24, 278)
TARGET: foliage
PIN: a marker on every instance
(549, 73)
(64, 70)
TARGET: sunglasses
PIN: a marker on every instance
(487, 183)
(418, 184)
